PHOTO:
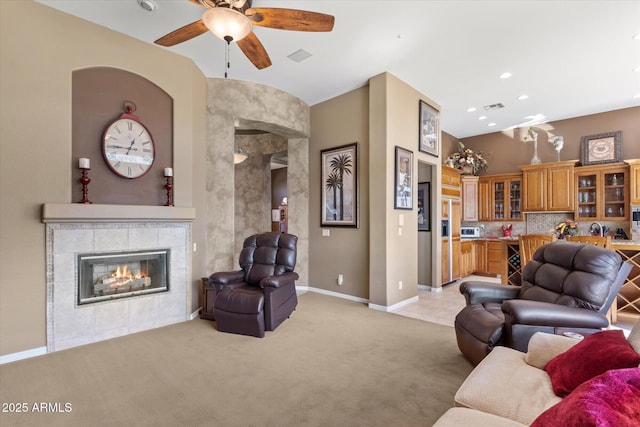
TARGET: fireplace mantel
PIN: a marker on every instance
(77, 212)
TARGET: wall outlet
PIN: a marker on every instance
(195, 247)
(400, 285)
(340, 279)
(326, 232)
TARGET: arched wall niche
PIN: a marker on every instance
(98, 94)
(234, 103)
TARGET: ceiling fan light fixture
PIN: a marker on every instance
(227, 23)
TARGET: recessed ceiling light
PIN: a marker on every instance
(505, 75)
(148, 5)
(471, 109)
(637, 95)
(482, 118)
(636, 70)
(523, 96)
(491, 124)
(636, 37)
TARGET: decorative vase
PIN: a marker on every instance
(535, 159)
(467, 170)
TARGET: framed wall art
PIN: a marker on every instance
(339, 182)
(602, 148)
(424, 206)
(429, 138)
(403, 196)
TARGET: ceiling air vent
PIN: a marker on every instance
(491, 107)
(299, 55)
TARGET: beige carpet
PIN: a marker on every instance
(333, 363)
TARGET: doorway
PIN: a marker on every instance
(426, 231)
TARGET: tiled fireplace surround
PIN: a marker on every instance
(73, 229)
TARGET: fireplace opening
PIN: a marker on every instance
(106, 276)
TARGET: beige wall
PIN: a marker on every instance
(505, 150)
(40, 49)
(373, 258)
(339, 121)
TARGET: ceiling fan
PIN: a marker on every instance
(233, 20)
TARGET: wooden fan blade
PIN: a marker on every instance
(290, 19)
(197, 2)
(183, 34)
(253, 49)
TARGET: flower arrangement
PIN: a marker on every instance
(467, 158)
(567, 228)
(532, 135)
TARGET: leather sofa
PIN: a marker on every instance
(262, 294)
(565, 287)
(510, 388)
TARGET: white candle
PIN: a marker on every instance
(168, 172)
(84, 163)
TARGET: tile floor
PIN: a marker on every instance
(442, 307)
(439, 307)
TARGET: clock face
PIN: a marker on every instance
(128, 148)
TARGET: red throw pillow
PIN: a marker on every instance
(594, 355)
(608, 400)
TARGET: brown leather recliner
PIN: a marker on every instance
(566, 287)
(262, 294)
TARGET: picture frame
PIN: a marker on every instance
(602, 148)
(403, 183)
(424, 206)
(429, 129)
(339, 181)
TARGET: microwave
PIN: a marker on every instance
(469, 232)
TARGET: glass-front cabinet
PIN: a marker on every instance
(602, 192)
(505, 198)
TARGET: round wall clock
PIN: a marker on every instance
(127, 145)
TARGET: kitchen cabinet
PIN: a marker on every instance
(450, 182)
(634, 180)
(480, 247)
(496, 258)
(500, 198)
(469, 198)
(484, 198)
(548, 187)
(490, 258)
(467, 258)
(602, 192)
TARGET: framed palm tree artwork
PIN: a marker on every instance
(340, 186)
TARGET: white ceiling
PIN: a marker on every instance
(572, 58)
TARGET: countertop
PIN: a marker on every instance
(615, 242)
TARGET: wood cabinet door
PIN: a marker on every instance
(484, 200)
(470, 198)
(457, 254)
(560, 189)
(635, 184)
(456, 217)
(534, 186)
(445, 260)
(480, 247)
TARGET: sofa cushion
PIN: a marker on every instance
(543, 347)
(456, 417)
(594, 355)
(610, 399)
(491, 387)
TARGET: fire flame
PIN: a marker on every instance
(123, 275)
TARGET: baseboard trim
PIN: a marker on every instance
(195, 314)
(13, 357)
(430, 288)
(388, 308)
(332, 293)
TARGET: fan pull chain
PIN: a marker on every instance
(228, 39)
